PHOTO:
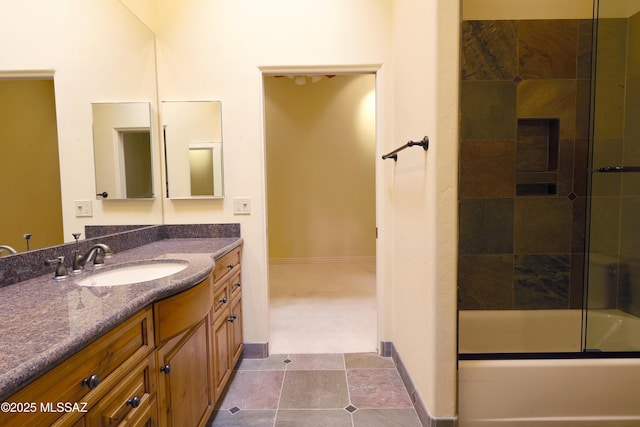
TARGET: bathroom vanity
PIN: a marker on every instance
(143, 354)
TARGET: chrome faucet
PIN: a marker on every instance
(8, 249)
(99, 252)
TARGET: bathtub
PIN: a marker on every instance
(563, 392)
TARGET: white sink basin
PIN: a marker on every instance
(133, 273)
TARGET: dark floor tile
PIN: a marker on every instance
(322, 362)
(386, 418)
(377, 388)
(242, 419)
(314, 390)
(313, 418)
(253, 390)
(367, 361)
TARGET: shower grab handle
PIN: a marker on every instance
(619, 169)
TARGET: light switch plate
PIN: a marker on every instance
(241, 206)
(83, 208)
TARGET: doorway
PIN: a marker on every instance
(321, 212)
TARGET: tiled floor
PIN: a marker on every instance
(323, 308)
(316, 390)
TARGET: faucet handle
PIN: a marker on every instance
(61, 269)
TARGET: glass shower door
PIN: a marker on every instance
(612, 297)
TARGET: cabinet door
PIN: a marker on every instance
(235, 333)
(185, 397)
(221, 362)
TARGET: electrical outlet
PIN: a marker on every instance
(83, 208)
(241, 206)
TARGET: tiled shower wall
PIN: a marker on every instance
(615, 229)
(523, 163)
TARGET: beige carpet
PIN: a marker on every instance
(323, 308)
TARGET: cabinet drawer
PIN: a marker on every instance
(70, 380)
(226, 263)
(221, 301)
(128, 399)
(235, 285)
(178, 313)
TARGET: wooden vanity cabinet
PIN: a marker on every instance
(226, 318)
(185, 396)
(88, 377)
(164, 366)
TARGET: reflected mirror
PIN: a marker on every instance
(193, 149)
(122, 150)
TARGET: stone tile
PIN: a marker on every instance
(565, 167)
(316, 361)
(609, 108)
(253, 390)
(367, 361)
(485, 282)
(486, 226)
(542, 225)
(585, 38)
(583, 108)
(489, 50)
(242, 419)
(313, 418)
(633, 39)
(487, 168)
(549, 99)
(537, 145)
(604, 227)
(377, 388)
(607, 152)
(580, 166)
(541, 281)
(578, 224)
(548, 49)
(630, 226)
(576, 289)
(488, 110)
(275, 362)
(632, 109)
(612, 48)
(314, 390)
(386, 418)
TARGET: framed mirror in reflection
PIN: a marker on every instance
(122, 148)
(193, 149)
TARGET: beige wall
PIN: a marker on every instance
(546, 9)
(527, 9)
(320, 156)
(30, 176)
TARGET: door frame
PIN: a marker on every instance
(380, 218)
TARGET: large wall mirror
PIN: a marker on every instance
(193, 148)
(52, 71)
(122, 149)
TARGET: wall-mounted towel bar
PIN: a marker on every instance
(393, 155)
(620, 169)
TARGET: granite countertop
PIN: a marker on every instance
(45, 321)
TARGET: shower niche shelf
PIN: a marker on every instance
(537, 152)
